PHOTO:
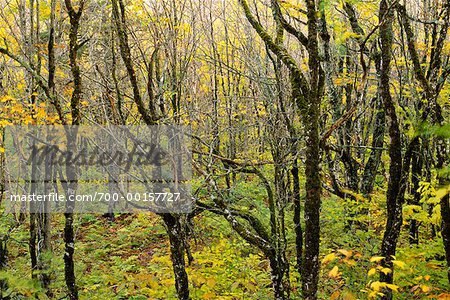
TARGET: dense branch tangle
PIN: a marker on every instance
(307, 95)
(252, 82)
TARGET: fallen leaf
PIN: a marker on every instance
(328, 258)
(335, 295)
(334, 273)
(347, 253)
(425, 288)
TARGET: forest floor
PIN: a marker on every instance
(129, 259)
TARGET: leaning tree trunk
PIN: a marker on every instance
(33, 216)
(3, 261)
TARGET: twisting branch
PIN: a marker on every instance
(278, 15)
(420, 75)
(430, 94)
(347, 116)
(255, 239)
(279, 50)
(75, 16)
(149, 116)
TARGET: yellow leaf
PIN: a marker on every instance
(376, 258)
(392, 287)
(335, 295)
(6, 98)
(4, 123)
(377, 285)
(211, 282)
(372, 272)
(347, 253)
(328, 258)
(432, 265)
(334, 273)
(209, 295)
(350, 262)
(425, 288)
(399, 264)
(442, 192)
(385, 270)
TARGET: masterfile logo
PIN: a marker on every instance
(99, 168)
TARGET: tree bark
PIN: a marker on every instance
(297, 212)
(174, 231)
(277, 275)
(312, 164)
(33, 216)
(307, 96)
(416, 175)
(371, 167)
(393, 201)
(445, 213)
(71, 172)
(172, 222)
(118, 9)
(433, 108)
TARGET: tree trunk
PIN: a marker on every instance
(3, 261)
(118, 9)
(312, 208)
(371, 167)
(416, 173)
(32, 240)
(44, 229)
(71, 171)
(445, 213)
(172, 222)
(312, 164)
(277, 275)
(394, 208)
(174, 231)
(297, 212)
